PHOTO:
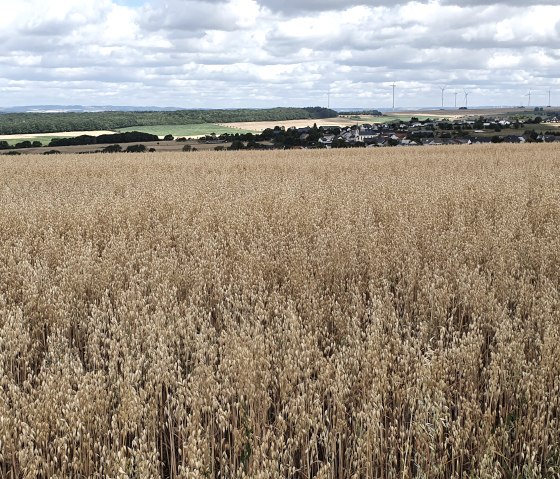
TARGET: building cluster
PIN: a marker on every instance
(437, 132)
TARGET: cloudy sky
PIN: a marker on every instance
(258, 53)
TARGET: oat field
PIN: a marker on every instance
(386, 313)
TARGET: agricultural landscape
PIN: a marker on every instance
(273, 128)
(333, 313)
(280, 239)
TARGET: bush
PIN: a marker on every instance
(136, 149)
(236, 145)
(187, 148)
(112, 149)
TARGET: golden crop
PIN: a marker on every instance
(388, 313)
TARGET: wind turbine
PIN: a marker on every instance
(549, 104)
(442, 88)
(455, 100)
(329, 97)
(467, 93)
(394, 86)
(529, 100)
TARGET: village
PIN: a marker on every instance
(415, 132)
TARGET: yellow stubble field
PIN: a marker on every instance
(332, 314)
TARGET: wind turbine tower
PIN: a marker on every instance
(467, 93)
(455, 100)
(549, 104)
(393, 86)
(442, 88)
(529, 98)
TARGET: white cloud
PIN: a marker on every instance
(270, 52)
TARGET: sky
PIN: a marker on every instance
(265, 53)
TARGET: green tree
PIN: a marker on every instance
(112, 149)
(136, 149)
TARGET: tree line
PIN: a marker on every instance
(128, 137)
(29, 123)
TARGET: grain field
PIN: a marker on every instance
(386, 313)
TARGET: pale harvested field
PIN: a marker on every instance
(65, 134)
(263, 125)
(456, 113)
(337, 314)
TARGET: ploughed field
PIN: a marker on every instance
(333, 314)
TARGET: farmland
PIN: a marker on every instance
(388, 117)
(263, 125)
(31, 123)
(45, 138)
(387, 313)
(189, 131)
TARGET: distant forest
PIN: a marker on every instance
(28, 123)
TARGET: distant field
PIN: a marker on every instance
(539, 128)
(338, 121)
(188, 130)
(45, 138)
(386, 118)
(456, 113)
(382, 119)
(263, 125)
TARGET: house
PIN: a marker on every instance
(348, 136)
(366, 134)
(478, 140)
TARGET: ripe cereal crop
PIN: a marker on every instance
(385, 313)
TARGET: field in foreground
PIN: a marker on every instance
(335, 314)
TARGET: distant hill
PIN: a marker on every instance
(54, 122)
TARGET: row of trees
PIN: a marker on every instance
(277, 137)
(30, 123)
(128, 137)
(4, 145)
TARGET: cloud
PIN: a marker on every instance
(294, 7)
(229, 53)
(199, 15)
(511, 3)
